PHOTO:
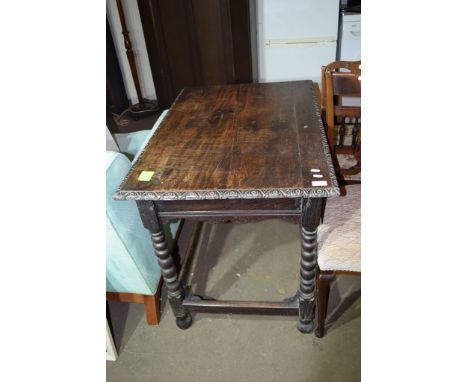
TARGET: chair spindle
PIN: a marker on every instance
(355, 132)
(342, 133)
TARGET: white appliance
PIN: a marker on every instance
(295, 38)
(349, 45)
(350, 37)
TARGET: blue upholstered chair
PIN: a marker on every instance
(132, 270)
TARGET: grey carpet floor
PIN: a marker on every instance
(258, 261)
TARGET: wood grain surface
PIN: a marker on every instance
(236, 141)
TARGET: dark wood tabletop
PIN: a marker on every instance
(244, 141)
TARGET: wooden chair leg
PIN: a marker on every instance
(151, 302)
(322, 284)
(152, 308)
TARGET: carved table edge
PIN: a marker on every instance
(326, 148)
(228, 194)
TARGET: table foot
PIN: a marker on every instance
(184, 322)
(305, 327)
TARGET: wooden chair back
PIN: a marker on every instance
(342, 78)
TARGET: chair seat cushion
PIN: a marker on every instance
(340, 234)
(347, 161)
(131, 143)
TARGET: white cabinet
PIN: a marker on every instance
(350, 46)
(350, 41)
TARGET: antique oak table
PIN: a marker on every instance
(237, 153)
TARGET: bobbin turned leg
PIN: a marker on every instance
(311, 212)
(175, 292)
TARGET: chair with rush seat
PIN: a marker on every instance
(339, 249)
(339, 234)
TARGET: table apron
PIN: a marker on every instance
(228, 205)
(215, 217)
